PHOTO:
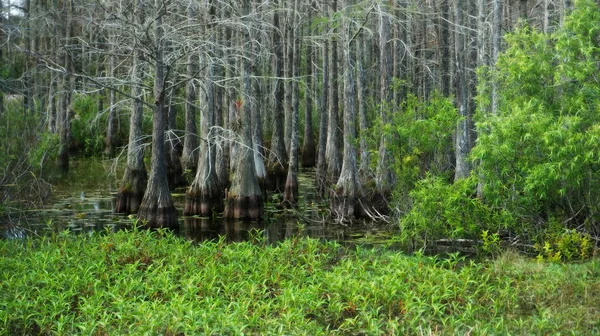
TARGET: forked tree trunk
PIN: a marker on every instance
(244, 198)
(157, 208)
(278, 159)
(345, 199)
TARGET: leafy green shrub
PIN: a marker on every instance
(420, 139)
(449, 210)
(88, 126)
(568, 245)
(45, 151)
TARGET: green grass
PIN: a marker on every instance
(141, 282)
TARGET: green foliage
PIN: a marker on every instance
(568, 245)
(490, 243)
(46, 150)
(442, 209)
(88, 127)
(538, 157)
(419, 135)
(150, 282)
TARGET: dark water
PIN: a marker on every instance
(83, 202)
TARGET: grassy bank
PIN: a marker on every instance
(144, 282)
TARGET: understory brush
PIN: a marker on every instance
(151, 282)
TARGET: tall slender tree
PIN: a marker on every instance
(157, 208)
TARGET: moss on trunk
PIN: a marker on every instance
(131, 192)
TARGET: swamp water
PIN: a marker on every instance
(83, 203)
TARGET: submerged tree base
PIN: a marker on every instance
(243, 207)
(158, 216)
(131, 193)
(202, 203)
(276, 178)
(347, 207)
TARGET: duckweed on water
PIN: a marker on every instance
(143, 282)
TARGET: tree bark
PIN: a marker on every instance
(308, 147)
(189, 156)
(111, 129)
(321, 172)
(244, 198)
(345, 199)
(384, 175)
(204, 197)
(462, 129)
(278, 159)
(133, 185)
(332, 152)
(290, 195)
(157, 208)
(64, 120)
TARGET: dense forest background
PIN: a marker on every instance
(460, 119)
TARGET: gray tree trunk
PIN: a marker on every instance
(189, 156)
(361, 95)
(204, 197)
(334, 138)
(111, 129)
(308, 147)
(384, 175)
(496, 39)
(345, 199)
(63, 119)
(157, 208)
(278, 158)
(290, 194)
(462, 129)
(321, 172)
(244, 198)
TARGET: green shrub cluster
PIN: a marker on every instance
(537, 158)
(151, 282)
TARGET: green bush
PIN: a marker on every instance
(449, 210)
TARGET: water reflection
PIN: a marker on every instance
(82, 209)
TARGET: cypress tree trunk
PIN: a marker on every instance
(111, 129)
(224, 150)
(244, 198)
(462, 129)
(496, 39)
(290, 195)
(361, 88)
(308, 147)
(133, 185)
(333, 153)
(321, 172)
(157, 208)
(345, 199)
(63, 119)
(278, 159)
(172, 147)
(384, 176)
(204, 197)
(189, 156)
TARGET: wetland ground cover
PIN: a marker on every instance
(152, 282)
